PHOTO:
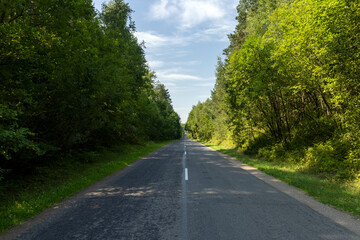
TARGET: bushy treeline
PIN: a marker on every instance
(208, 121)
(74, 78)
(290, 85)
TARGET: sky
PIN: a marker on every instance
(183, 39)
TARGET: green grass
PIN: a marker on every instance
(344, 196)
(24, 197)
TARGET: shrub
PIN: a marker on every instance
(261, 142)
(333, 158)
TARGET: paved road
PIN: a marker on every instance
(184, 191)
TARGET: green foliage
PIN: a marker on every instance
(199, 124)
(332, 158)
(72, 78)
(208, 121)
(165, 118)
(291, 81)
(12, 137)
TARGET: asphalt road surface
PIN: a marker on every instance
(183, 191)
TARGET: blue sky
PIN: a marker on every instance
(183, 39)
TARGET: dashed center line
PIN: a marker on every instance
(184, 198)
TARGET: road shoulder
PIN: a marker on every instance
(341, 218)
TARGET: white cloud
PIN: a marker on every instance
(189, 12)
(165, 76)
(176, 75)
(196, 12)
(155, 64)
(180, 38)
(154, 41)
(174, 43)
(194, 21)
(151, 39)
(163, 9)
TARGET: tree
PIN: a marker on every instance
(291, 83)
(72, 79)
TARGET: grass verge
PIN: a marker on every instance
(23, 198)
(344, 196)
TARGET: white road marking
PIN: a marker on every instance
(186, 174)
(184, 198)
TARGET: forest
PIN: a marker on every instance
(74, 79)
(288, 86)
